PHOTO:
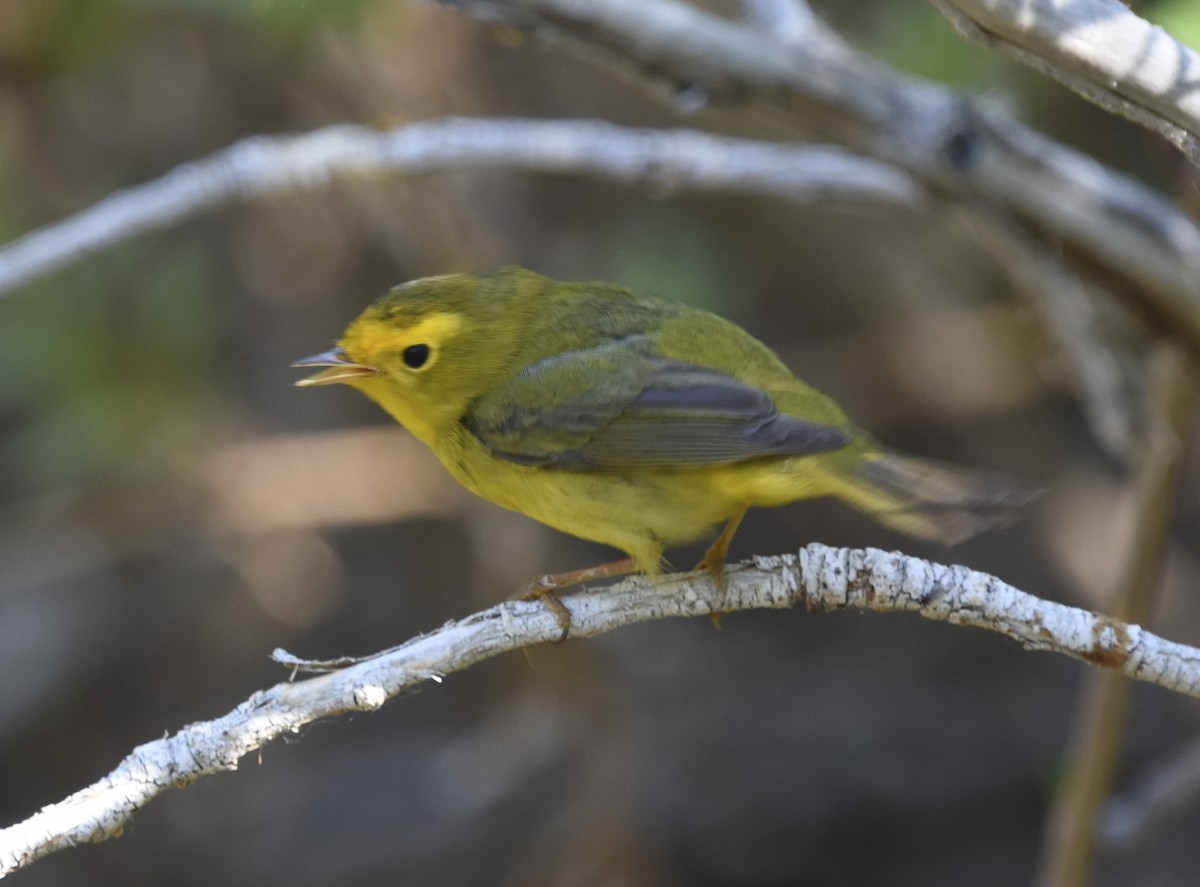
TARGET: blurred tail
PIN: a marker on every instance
(931, 500)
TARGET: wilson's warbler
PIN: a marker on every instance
(627, 419)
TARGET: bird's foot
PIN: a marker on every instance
(545, 588)
(713, 561)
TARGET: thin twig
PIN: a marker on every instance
(817, 577)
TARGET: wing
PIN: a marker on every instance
(619, 405)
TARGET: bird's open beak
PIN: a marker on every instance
(339, 369)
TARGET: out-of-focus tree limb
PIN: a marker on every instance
(1103, 342)
(1165, 789)
(788, 21)
(924, 140)
(951, 143)
(817, 577)
(261, 166)
(1102, 50)
(915, 130)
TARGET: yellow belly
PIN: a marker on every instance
(639, 512)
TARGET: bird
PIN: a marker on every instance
(629, 419)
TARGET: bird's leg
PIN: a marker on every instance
(714, 559)
(545, 588)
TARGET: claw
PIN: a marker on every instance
(544, 589)
(554, 604)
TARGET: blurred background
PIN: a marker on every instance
(172, 509)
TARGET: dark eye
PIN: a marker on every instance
(415, 356)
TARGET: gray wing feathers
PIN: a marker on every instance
(618, 405)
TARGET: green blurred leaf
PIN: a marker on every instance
(295, 16)
(1181, 18)
(918, 39)
(672, 254)
(101, 362)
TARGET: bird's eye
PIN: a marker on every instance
(415, 356)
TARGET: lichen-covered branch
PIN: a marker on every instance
(1102, 50)
(817, 577)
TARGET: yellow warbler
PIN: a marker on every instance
(628, 419)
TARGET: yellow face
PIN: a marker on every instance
(397, 362)
(429, 347)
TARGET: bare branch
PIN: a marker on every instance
(256, 167)
(818, 578)
(788, 21)
(943, 140)
(1100, 49)
(1102, 340)
(950, 143)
